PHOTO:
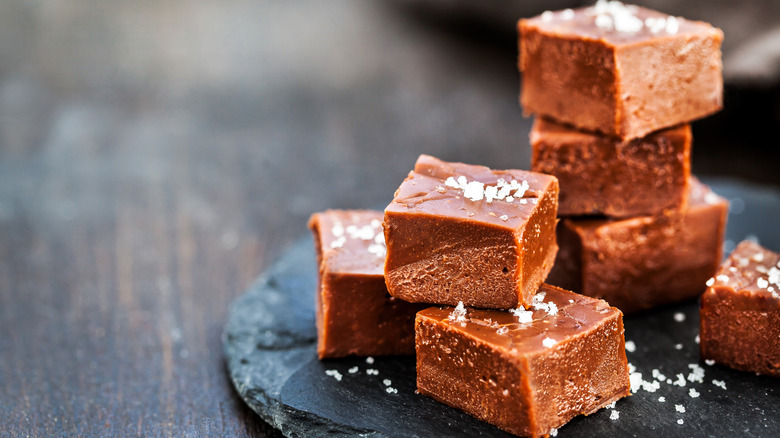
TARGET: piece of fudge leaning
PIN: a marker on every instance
(459, 232)
(525, 371)
(740, 312)
(605, 175)
(354, 312)
(621, 70)
(646, 261)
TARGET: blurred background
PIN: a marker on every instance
(156, 156)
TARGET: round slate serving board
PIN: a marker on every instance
(270, 338)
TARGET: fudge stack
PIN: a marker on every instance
(614, 87)
(458, 269)
(471, 247)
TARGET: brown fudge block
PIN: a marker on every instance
(624, 71)
(643, 262)
(355, 314)
(460, 232)
(527, 371)
(740, 312)
(605, 175)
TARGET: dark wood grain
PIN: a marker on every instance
(156, 156)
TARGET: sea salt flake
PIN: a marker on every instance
(710, 282)
(547, 16)
(719, 383)
(678, 346)
(363, 233)
(353, 370)
(504, 217)
(774, 276)
(630, 346)
(387, 382)
(553, 432)
(680, 380)
(549, 342)
(611, 405)
(636, 381)
(679, 408)
(680, 421)
(391, 390)
(651, 386)
(693, 393)
(722, 278)
(697, 339)
(614, 415)
(567, 14)
(662, 399)
(450, 182)
(604, 22)
(679, 317)
(334, 373)
(696, 374)
(709, 362)
(502, 330)
(491, 193)
(758, 257)
(762, 283)
(441, 189)
(523, 316)
(372, 372)
(369, 360)
(459, 314)
(672, 25)
(474, 191)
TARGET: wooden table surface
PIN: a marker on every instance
(156, 156)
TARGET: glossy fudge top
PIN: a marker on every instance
(505, 198)
(555, 315)
(751, 268)
(615, 23)
(351, 241)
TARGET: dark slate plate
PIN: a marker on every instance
(269, 341)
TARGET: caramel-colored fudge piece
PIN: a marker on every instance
(624, 71)
(527, 371)
(740, 312)
(643, 262)
(355, 314)
(601, 175)
(460, 232)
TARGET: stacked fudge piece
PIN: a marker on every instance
(517, 353)
(354, 313)
(740, 312)
(614, 87)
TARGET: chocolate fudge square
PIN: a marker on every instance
(355, 314)
(621, 70)
(740, 311)
(647, 261)
(601, 175)
(525, 371)
(460, 232)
